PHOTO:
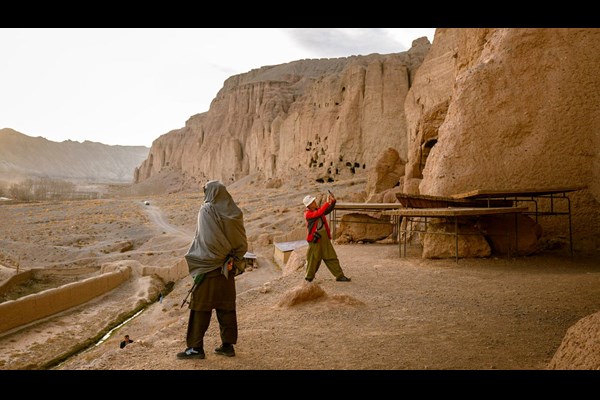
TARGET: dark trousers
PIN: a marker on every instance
(200, 320)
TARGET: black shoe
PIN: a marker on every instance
(308, 279)
(191, 352)
(225, 350)
(343, 279)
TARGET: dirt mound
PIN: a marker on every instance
(310, 291)
(307, 291)
(5, 272)
(345, 299)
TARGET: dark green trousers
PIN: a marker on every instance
(322, 251)
(200, 320)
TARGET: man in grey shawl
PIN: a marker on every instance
(215, 256)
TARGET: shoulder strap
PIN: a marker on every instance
(320, 221)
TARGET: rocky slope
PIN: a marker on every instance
(23, 156)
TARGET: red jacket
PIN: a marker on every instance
(312, 219)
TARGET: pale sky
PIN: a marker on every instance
(129, 86)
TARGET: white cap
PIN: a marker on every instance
(308, 199)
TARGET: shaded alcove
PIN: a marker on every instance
(425, 150)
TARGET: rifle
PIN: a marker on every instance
(198, 280)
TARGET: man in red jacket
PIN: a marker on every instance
(319, 239)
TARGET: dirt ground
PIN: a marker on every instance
(396, 314)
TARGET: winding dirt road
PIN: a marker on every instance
(158, 218)
(41, 343)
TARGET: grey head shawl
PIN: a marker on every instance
(220, 232)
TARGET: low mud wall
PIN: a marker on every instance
(171, 274)
(14, 313)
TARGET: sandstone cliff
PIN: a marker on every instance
(478, 109)
(332, 117)
(23, 156)
(510, 108)
(427, 103)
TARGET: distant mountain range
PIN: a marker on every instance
(23, 157)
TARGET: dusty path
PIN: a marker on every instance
(157, 217)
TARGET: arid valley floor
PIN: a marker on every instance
(397, 313)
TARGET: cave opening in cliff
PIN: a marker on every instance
(425, 150)
(321, 180)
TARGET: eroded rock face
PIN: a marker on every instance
(355, 227)
(523, 111)
(440, 241)
(386, 175)
(332, 117)
(487, 109)
(427, 100)
(580, 348)
(499, 230)
(383, 182)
